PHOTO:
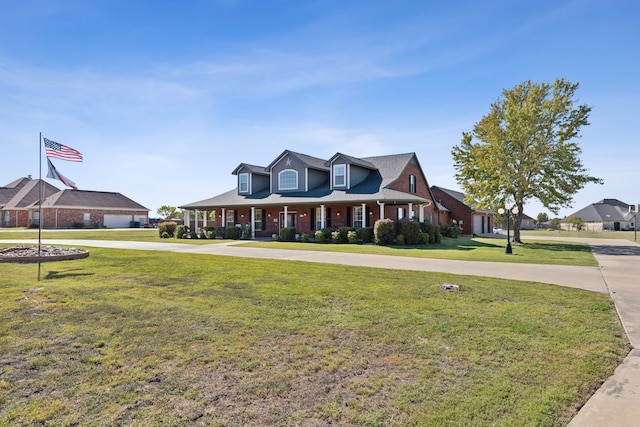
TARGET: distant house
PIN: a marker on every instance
(16, 198)
(75, 208)
(607, 214)
(309, 193)
(473, 220)
(527, 223)
(20, 207)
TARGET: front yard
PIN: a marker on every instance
(154, 338)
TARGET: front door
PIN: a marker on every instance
(291, 220)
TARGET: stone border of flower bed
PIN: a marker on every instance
(29, 254)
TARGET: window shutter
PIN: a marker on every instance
(235, 217)
(349, 217)
(264, 219)
(313, 219)
(328, 218)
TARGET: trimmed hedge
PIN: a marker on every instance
(410, 229)
(232, 233)
(384, 231)
(168, 227)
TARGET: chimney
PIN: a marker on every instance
(29, 176)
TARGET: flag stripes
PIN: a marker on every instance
(59, 151)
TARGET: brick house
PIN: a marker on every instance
(309, 193)
(16, 198)
(473, 220)
(75, 208)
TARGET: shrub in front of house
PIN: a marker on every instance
(318, 236)
(232, 233)
(344, 233)
(384, 231)
(410, 229)
(365, 234)
(304, 238)
(335, 236)
(424, 238)
(168, 227)
(181, 231)
(288, 234)
(400, 240)
(352, 236)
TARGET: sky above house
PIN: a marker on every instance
(165, 98)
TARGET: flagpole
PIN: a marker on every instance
(39, 204)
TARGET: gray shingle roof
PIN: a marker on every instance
(23, 192)
(373, 188)
(605, 210)
(91, 199)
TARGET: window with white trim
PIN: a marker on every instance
(243, 183)
(339, 175)
(318, 218)
(288, 180)
(257, 220)
(412, 183)
(400, 213)
(231, 218)
(357, 216)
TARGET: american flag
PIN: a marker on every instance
(59, 151)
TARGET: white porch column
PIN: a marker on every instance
(410, 210)
(223, 221)
(421, 213)
(286, 219)
(253, 221)
(323, 221)
(196, 221)
(185, 217)
(204, 218)
(381, 210)
(364, 215)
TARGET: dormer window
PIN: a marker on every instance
(243, 183)
(288, 180)
(339, 175)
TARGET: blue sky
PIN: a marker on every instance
(166, 98)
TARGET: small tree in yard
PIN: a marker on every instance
(166, 211)
(576, 222)
(525, 150)
(542, 218)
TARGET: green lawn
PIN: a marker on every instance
(464, 248)
(136, 234)
(626, 235)
(154, 338)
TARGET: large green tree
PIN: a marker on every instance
(525, 148)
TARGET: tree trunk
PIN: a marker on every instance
(517, 221)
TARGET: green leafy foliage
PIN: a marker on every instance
(525, 148)
(384, 231)
(168, 227)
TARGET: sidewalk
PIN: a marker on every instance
(614, 404)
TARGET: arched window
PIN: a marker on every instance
(288, 180)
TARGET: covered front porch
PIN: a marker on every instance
(267, 221)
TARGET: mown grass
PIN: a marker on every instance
(136, 234)
(151, 338)
(626, 235)
(465, 249)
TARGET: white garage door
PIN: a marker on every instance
(117, 221)
(477, 224)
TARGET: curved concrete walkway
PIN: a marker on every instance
(614, 404)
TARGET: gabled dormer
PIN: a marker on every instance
(294, 172)
(348, 171)
(251, 179)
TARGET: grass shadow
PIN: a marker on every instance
(64, 274)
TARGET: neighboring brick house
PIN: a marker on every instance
(16, 198)
(474, 220)
(308, 193)
(74, 208)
